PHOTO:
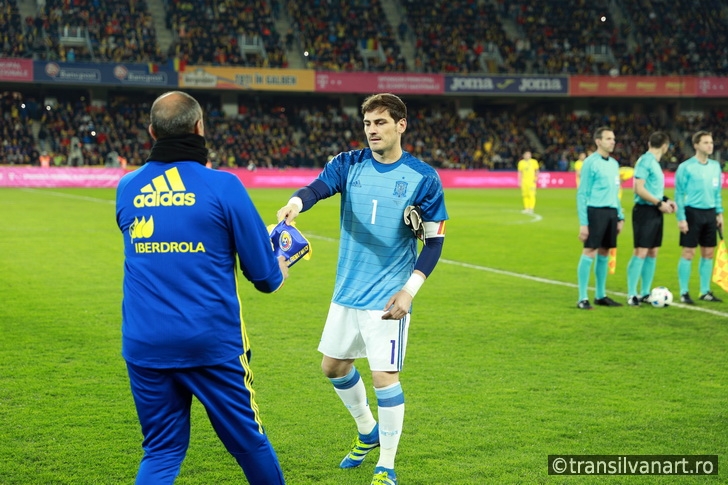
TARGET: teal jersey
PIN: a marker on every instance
(377, 251)
(599, 186)
(698, 185)
(648, 169)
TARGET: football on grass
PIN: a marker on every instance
(660, 297)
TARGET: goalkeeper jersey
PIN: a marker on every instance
(183, 225)
(377, 251)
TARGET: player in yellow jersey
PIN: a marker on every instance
(578, 163)
(625, 173)
(527, 177)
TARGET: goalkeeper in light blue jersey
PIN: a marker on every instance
(698, 185)
(386, 194)
(600, 217)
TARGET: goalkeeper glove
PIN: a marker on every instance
(413, 220)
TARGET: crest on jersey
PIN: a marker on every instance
(400, 189)
(285, 241)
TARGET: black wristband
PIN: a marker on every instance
(665, 198)
(659, 203)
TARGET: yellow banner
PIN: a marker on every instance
(247, 78)
(720, 270)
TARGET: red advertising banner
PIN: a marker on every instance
(19, 70)
(629, 86)
(369, 82)
(712, 87)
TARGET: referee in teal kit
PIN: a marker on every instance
(600, 217)
(698, 185)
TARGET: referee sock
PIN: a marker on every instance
(353, 394)
(582, 272)
(390, 401)
(706, 271)
(683, 274)
(648, 275)
(600, 271)
(635, 269)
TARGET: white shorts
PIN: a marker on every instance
(353, 334)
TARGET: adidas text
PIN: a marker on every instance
(164, 199)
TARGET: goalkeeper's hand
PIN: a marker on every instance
(413, 220)
(290, 211)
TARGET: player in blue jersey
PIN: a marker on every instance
(698, 185)
(379, 271)
(600, 217)
(185, 228)
(650, 203)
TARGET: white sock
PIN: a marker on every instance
(390, 400)
(353, 394)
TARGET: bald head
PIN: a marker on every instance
(175, 113)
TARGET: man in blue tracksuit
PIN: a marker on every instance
(185, 228)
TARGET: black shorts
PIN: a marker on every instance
(647, 226)
(701, 228)
(602, 227)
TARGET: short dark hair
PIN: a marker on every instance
(599, 131)
(177, 118)
(700, 134)
(395, 106)
(658, 139)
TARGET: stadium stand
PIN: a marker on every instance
(464, 36)
(224, 33)
(585, 44)
(461, 36)
(458, 36)
(670, 44)
(346, 36)
(98, 31)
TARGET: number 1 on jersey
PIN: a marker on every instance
(374, 210)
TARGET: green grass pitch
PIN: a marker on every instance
(501, 369)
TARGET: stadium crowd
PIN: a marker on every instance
(305, 132)
(346, 36)
(461, 36)
(526, 36)
(208, 32)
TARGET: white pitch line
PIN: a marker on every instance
(533, 217)
(446, 261)
(69, 196)
(570, 285)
